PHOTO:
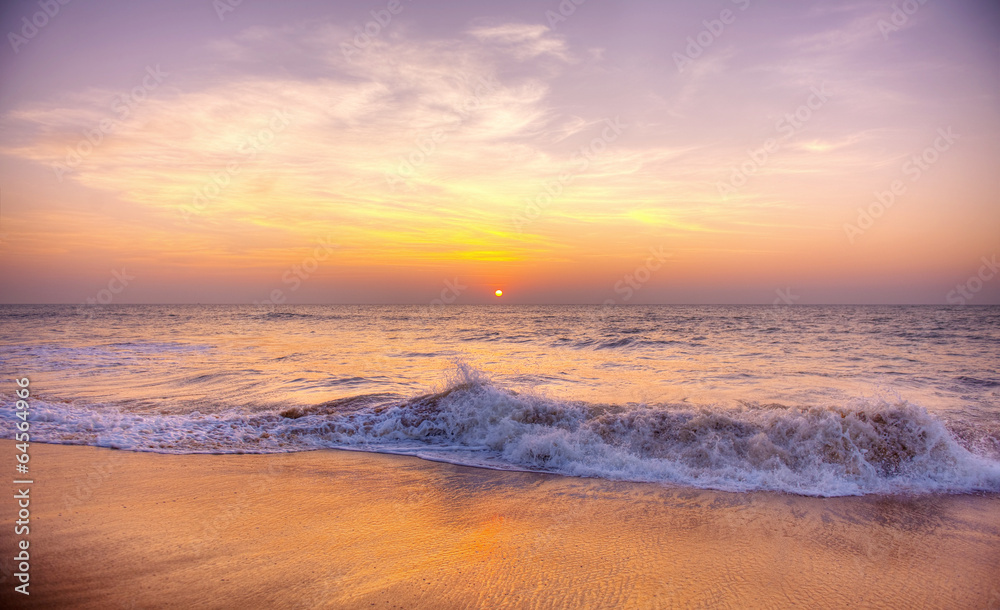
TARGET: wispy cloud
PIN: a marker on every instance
(422, 145)
(523, 41)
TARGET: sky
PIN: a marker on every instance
(573, 151)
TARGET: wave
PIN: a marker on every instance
(283, 315)
(866, 447)
(983, 383)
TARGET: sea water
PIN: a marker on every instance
(816, 400)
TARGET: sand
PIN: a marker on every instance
(113, 529)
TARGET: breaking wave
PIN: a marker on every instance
(866, 447)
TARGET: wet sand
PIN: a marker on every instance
(112, 529)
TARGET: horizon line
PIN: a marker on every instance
(449, 305)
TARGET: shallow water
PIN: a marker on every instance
(335, 529)
(833, 400)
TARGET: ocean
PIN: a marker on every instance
(811, 400)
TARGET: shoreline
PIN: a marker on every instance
(349, 529)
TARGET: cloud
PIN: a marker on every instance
(423, 148)
(523, 41)
(205, 152)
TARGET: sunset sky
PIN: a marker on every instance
(693, 152)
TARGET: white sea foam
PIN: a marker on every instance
(868, 446)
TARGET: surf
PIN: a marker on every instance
(869, 446)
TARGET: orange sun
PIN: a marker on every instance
(499, 293)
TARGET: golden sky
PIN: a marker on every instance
(212, 153)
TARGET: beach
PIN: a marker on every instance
(462, 305)
(342, 529)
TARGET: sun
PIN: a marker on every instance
(499, 293)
